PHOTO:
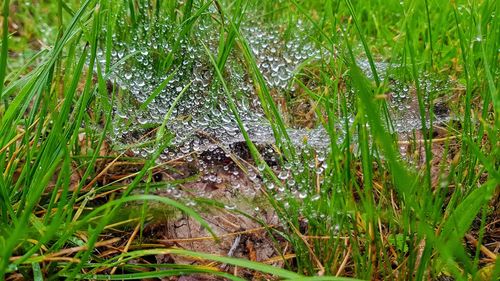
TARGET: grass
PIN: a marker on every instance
(378, 215)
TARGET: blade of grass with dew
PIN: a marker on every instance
(158, 90)
(189, 20)
(253, 149)
(369, 56)
(269, 107)
(161, 131)
(426, 129)
(404, 180)
(112, 6)
(303, 11)
(160, 136)
(226, 43)
(363, 41)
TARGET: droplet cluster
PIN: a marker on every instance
(278, 60)
(201, 119)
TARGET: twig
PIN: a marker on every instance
(419, 141)
(235, 245)
(71, 250)
(178, 240)
(344, 262)
(482, 248)
(127, 246)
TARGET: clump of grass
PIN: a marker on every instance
(369, 215)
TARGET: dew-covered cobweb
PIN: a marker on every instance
(201, 121)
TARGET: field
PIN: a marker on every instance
(249, 140)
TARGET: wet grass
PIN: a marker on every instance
(376, 216)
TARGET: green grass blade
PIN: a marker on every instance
(5, 43)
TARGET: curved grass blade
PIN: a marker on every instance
(158, 90)
(159, 274)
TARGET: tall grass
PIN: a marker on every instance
(376, 215)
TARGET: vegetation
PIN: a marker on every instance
(423, 206)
